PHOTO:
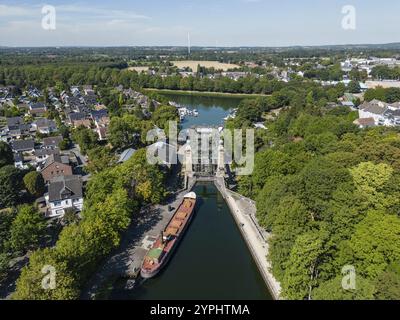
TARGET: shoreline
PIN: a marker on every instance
(207, 93)
(253, 237)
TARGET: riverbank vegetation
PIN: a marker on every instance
(329, 194)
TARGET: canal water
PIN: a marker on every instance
(212, 260)
(212, 110)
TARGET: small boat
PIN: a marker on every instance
(130, 284)
(162, 249)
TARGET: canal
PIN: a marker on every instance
(212, 260)
(212, 110)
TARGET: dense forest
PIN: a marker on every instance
(330, 195)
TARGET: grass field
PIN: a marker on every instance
(192, 64)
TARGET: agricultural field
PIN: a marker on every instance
(138, 69)
(383, 84)
(208, 64)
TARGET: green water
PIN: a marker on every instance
(211, 262)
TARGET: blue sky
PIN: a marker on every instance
(209, 22)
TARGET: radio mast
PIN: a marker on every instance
(188, 44)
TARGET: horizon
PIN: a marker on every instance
(210, 46)
(219, 24)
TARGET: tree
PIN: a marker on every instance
(370, 179)
(6, 218)
(333, 290)
(319, 179)
(122, 131)
(163, 114)
(27, 229)
(288, 220)
(34, 183)
(301, 276)
(100, 158)
(6, 155)
(70, 217)
(374, 244)
(321, 143)
(354, 87)
(64, 144)
(147, 179)
(85, 137)
(35, 281)
(249, 110)
(10, 186)
(388, 283)
(4, 265)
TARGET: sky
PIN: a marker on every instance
(225, 23)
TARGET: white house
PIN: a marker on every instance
(374, 109)
(383, 114)
(45, 126)
(65, 192)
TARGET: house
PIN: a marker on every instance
(101, 121)
(374, 109)
(90, 100)
(37, 109)
(16, 127)
(14, 123)
(82, 122)
(52, 142)
(41, 155)
(75, 116)
(393, 116)
(65, 192)
(235, 75)
(27, 146)
(363, 87)
(99, 114)
(45, 126)
(64, 96)
(19, 161)
(56, 166)
(349, 104)
(75, 91)
(34, 92)
(102, 133)
(364, 122)
(384, 114)
(74, 103)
